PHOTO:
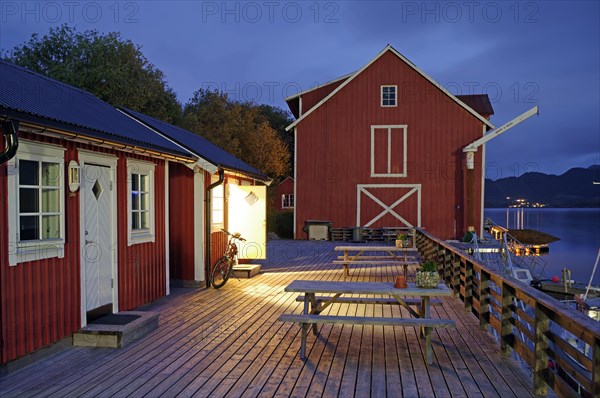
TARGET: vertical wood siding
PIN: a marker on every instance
(181, 227)
(141, 266)
(333, 153)
(311, 98)
(40, 300)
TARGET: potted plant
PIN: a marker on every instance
(427, 275)
(401, 240)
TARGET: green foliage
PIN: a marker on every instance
(112, 68)
(238, 127)
(279, 119)
(281, 223)
(402, 237)
(428, 266)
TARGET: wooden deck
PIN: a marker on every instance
(227, 342)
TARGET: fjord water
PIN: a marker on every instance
(579, 233)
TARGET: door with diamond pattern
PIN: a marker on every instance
(97, 234)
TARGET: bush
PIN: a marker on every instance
(281, 223)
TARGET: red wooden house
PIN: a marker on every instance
(283, 199)
(382, 147)
(89, 208)
(237, 197)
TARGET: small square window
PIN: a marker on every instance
(388, 95)
(287, 201)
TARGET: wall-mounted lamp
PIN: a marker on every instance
(74, 176)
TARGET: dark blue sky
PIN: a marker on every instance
(521, 54)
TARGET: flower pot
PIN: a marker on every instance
(427, 279)
(398, 243)
(406, 243)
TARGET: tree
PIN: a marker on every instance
(239, 128)
(106, 65)
(279, 119)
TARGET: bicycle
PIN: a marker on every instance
(224, 267)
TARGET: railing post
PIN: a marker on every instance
(447, 266)
(468, 286)
(540, 352)
(456, 276)
(596, 368)
(506, 325)
(484, 300)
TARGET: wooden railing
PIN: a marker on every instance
(526, 321)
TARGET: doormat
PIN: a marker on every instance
(115, 319)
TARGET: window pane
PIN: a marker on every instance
(143, 201)
(50, 227)
(50, 200)
(30, 228)
(143, 183)
(28, 172)
(50, 174)
(144, 220)
(29, 200)
(135, 220)
(135, 201)
(135, 182)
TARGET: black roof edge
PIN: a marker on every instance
(74, 129)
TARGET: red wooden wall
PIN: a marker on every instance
(333, 153)
(181, 225)
(40, 300)
(142, 274)
(285, 187)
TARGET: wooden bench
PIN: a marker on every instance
(399, 258)
(403, 263)
(305, 320)
(371, 300)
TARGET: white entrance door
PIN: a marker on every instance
(97, 255)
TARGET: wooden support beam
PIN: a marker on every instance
(540, 352)
(484, 299)
(506, 319)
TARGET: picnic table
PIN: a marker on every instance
(383, 255)
(337, 293)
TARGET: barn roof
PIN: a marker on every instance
(409, 63)
(480, 103)
(39, 100)
(199, 146)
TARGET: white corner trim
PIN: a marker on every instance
(167, 236)
(199, 225)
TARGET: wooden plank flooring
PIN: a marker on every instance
(227, 343)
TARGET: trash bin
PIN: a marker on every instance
(357, 234)
(317, 229)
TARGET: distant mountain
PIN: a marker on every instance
(575, 188)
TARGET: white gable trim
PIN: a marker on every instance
(291, 97)
(358, 72)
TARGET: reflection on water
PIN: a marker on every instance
(579, 233)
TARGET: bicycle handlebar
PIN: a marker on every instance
(235, 235)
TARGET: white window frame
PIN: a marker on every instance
(395, 95)
(217, 226)
(290, 195)
(389, 128)
(20, 252)
(145, 235)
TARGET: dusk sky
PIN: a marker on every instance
(521, 54)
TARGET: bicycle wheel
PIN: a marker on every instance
(220, 273)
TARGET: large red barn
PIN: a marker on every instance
(382, 147)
